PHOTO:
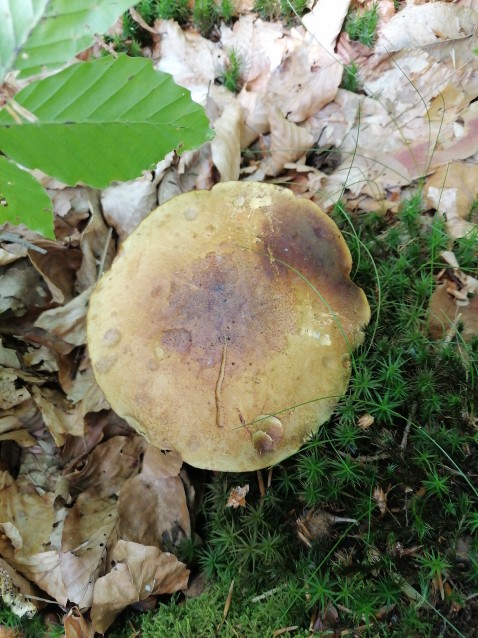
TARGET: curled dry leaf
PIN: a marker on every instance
(365, 421)
(137, 572)
(125, 204)
(96, 246)
(58, 267)
(237, 496)
(22, 437)
(380, 498)
(41, 358)
(256, 110)
(226, 145)
(59, 416)
(21, 288)
(68, 322)
(76, 625)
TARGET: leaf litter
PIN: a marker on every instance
(91, 514)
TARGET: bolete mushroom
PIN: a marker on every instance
(225, 326)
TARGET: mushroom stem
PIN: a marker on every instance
(220, 421)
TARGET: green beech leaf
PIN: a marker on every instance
(23, 200)
(36, 34)
(100, 121)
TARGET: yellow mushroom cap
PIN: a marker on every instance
(225, 326)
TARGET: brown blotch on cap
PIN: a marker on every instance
(244, 300)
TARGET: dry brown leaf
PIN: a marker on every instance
(256, 112)
(29, 522)
(22, 288)
(226, 145)
(446, 315)
(170, 186)
(26, 516)
(107, 467)
(154, 512)
(380, 498)
(59, 416)
(260, 45)
(9, 422)
(288, 141)
(87, 532)
(365, 421)
(301, 87)
(22, 437)
(7, 257)
(137, 573)
(96, 245)
(126, 204)
(44, 570)
(98, 426)
(10, 394)
(452, 191)
(24, 416)
(42, 358)
(324, 23)
(192, 60)
(333, 123)
(77, 626)
(58, 267)
(160, 463)
(237, 496)
(8, 357)
(84, 390)
(9, 250)
(67, 322)
(419, 26)
(460, 143)
(450, 101)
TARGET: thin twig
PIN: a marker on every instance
(14, 238)
(220, 419)
(104, 254)
(266, 594)
(404, 442)
(260, 480)
(227, 606)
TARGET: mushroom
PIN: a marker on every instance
(225, 327)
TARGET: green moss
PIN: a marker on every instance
(232, 75)
(280, 9)
(350, 80)
(362, 25)
(204, 617)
